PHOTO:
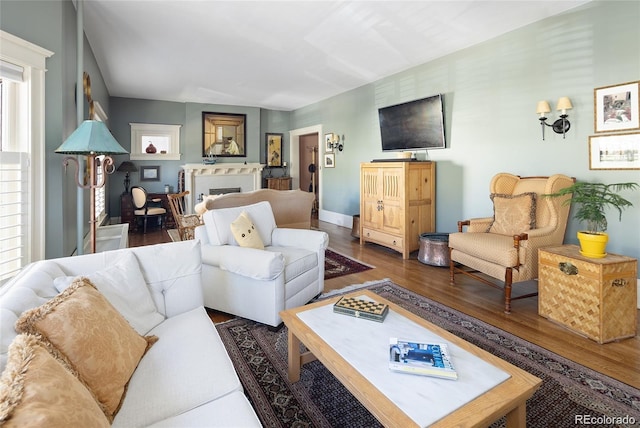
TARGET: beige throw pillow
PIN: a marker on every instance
(96, 340)
(513, 214)
(245, 232)
(37, 390)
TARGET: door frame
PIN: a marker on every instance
(294, 150)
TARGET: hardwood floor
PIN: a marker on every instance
(620, 360)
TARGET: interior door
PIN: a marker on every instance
(308, 159)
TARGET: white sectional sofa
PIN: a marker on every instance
(186, 378)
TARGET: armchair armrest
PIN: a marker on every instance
(480, 224)
(249, 262)
(312, 240)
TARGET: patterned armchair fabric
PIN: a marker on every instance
(512, 257)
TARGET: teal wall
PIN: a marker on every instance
(52, 25)
(490, 95)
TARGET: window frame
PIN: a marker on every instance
(29, 126)
(140, 130)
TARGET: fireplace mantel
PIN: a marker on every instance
(198, 178)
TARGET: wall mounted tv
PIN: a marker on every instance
(414, 125)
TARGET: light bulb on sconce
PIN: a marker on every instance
(560, 126)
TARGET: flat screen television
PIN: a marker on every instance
(414, 125)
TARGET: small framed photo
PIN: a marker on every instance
(329, 160)
(274, 149)
(328, 143)
(616, 151)
(616, 107)
(149, 173)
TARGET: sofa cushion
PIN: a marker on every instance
(245, 233)
(35, 288)
(232, 410)
(98, 342)
(186, 368)
(36, 389)
(125, 288)
(513, 214)
(217, 223)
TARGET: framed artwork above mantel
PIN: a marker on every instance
(224, 134)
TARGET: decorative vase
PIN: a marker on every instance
(593, 245)
(151, 148)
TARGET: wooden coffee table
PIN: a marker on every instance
(356, 351)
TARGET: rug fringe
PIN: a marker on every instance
(352, 258)
(352, 287)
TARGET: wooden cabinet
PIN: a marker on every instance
(397, 203)
(279, 183)
(593, 297)
(126, 209)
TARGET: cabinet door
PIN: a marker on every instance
(371, 200)
(392, 195)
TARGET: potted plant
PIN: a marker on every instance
(591, 200)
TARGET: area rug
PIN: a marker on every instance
(336, 264)
(569, 390)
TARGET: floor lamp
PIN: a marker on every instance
(91, 139)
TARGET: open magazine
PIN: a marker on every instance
(426, 359)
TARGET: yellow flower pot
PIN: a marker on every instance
(593, 245)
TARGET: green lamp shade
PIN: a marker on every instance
(91, 136)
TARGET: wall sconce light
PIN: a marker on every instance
(560, 126)
(335, 142)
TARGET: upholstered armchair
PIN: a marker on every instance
(505, 246)
(284, 271)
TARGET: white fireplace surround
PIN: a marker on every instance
(199, 178)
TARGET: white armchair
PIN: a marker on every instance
(258, 284)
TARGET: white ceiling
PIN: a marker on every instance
(283, 55)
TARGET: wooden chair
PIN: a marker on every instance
(505, 246)
(186, 223)
(145, 207)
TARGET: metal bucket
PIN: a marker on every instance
(355, 229)
(434, 249)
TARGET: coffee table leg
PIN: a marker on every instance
(517, 417)
(294, 357)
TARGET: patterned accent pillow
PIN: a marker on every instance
(36, 389)
(513, 214)
(245, 232)
(98, 342)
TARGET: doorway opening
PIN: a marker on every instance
(308, 161)
(302, 141)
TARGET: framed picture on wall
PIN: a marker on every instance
(616, 107)
(328, 143)
(224, 134)
(616, 151)
(149, 173)
(329, 160)
(274, 150)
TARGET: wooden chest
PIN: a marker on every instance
(593, 297)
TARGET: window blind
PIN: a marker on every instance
(14, 221)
